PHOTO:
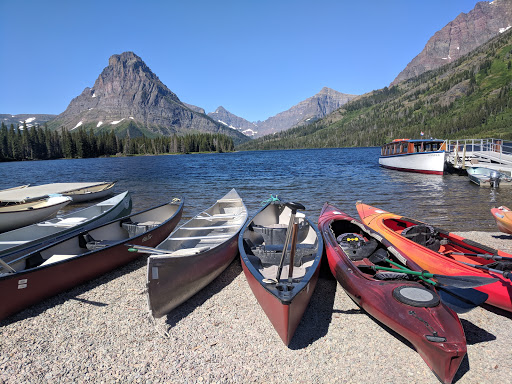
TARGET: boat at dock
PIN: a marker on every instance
(421, 156)
(487, 177)
(83, 256)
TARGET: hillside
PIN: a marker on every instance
(469, 98)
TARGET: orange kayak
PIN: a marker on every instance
(445, 253)
(503, 217)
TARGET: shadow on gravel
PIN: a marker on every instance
(502, 237)
(72, 294)
(220, 282)
(315, 321)
(475, 334)
(498, 311)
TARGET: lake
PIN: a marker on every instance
(313, 176)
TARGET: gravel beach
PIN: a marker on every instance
(100, 332)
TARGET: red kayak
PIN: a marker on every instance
(442, 252)
(282, 285)
(411, 308)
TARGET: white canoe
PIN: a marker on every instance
(27, 239)
(14, 216)
(194, 254)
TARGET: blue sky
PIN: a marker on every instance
(255, 58)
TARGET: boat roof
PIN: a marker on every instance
(40, 191)
(418, 141)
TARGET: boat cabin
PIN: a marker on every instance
(406, 146)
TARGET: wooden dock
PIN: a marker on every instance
(489, 153)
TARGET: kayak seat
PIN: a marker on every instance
(385, 275)
(424, 235)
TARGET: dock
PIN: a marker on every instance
(489, 153)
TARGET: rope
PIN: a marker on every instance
(271, 199)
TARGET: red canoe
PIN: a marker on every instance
(444, 253)
(86, 255)
(411, 308)
(261, 243)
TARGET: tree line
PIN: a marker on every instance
(41, 143)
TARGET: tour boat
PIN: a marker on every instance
(422, 156)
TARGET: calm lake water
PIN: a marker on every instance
(341, 176)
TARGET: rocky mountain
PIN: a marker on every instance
(311, 109)
(468, 98)
(233, 121)
(130, 99)
(460, 36)
(29, 119)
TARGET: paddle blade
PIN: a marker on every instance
(464, 281)
(461, 300)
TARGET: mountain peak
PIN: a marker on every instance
(125, 57)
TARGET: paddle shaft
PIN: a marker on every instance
(403, 268)
(506, 274)
(485, 256)
(292, 250)
(286, 242)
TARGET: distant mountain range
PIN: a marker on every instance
(305, 112)
(460, 36)
(468, 98)
(29, 119)
(129, 98)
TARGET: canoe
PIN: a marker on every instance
(92, 192)
(261, 244)
(194, 254)
(411, 308)
(14, 188)
(21, 241)
(84, 256)
(503, 217)
(442, 252)
(17, 215)
(80, 192)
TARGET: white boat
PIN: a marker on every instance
(422, 156)
(17, 215)
(487, 177)
(27, 239)
(78, 191)
(194, 254)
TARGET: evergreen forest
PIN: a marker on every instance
(36, 143)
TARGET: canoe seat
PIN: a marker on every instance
(137, 229)
(56, 258)
(271, 272)
(98, 244)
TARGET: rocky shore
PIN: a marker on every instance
(100, 332)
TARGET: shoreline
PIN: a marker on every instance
(100, 332)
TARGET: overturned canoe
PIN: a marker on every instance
(84, 256)
(411, 308)
(442, 252)
(282, 285)
(503, 217)
(194, 254)
(19, 242)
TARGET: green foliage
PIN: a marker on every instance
(39, 143)
(469, 98)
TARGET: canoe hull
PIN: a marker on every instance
(25, 288)
(499, 293)
(376, 298)
(283, 307)
(284, 316)
(21, 241)
(503, 217)
(14, 218)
